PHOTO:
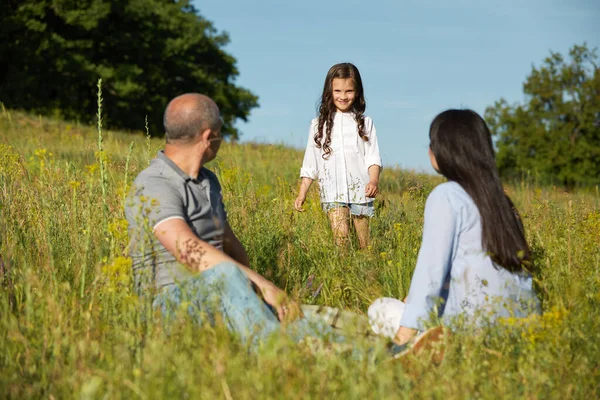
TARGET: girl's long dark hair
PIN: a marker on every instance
(462, 145)
(327, 108)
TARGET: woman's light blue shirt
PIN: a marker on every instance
(453, 266)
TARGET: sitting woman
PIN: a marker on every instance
(474, 261)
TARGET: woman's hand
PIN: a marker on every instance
(372, 190)
(287, 309)
(404, 335)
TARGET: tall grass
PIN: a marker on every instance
(69, 325)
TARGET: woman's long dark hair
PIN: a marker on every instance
(327, 108)
(462, 145)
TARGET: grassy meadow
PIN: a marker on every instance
(69, 320)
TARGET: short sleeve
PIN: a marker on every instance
(154, 199)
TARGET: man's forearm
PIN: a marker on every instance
(234, 249)
(199, 256)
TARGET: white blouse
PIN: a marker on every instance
(344, 175)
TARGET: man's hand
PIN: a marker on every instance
(299, 202)
(178, 239)
(372, 190)
(287, 310)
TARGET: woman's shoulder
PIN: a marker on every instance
(452, 193)
(447, 188)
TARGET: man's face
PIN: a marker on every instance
(214, 143)
(215, 140)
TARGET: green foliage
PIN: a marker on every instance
(147, 51)
(57, 342)
(556, 133)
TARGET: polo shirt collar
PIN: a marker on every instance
(201, 176)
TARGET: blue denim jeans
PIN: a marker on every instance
(224, 291)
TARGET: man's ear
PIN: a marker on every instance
(205, 135)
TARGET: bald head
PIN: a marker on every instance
(188, 115)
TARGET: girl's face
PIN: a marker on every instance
(343, 93)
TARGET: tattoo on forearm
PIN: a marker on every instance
(191, 254)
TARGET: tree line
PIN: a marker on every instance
(555, 133)
(52, 53)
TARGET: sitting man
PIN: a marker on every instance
(182, 246)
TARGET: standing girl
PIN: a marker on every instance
(343, 155)
(474, 261)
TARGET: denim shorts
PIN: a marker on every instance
(358, 209)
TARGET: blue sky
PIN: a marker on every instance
(416, 58)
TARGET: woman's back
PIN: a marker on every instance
(472, 285)
(474, 260)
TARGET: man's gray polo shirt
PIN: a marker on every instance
(163, 191)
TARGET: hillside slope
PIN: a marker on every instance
(70, 325)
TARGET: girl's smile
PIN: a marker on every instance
(343, 93)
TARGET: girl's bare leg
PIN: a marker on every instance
(361, 225)
(339, 218)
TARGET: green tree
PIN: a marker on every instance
(52, 53)
(555, 134)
